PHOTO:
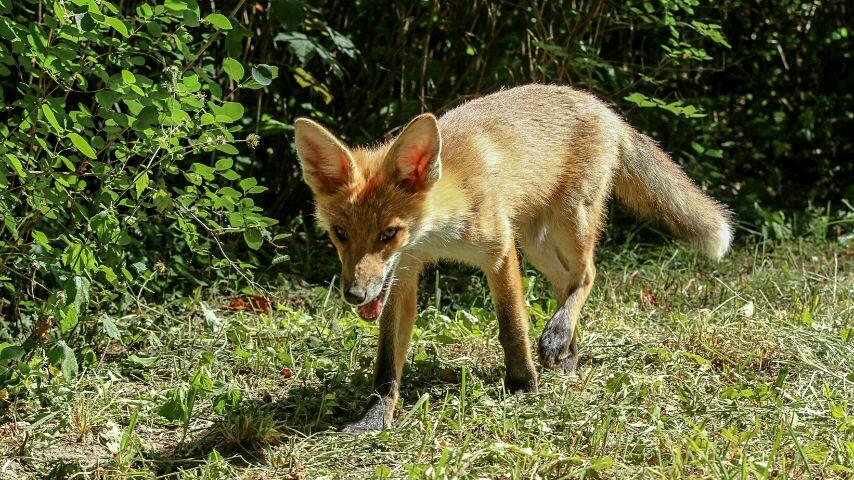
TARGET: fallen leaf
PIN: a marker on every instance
(254, 304)
(648, 298)
(236, 305)
(259, 303)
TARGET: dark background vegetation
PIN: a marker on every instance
(753, 98)
(776, 98)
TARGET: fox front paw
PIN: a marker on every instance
(521, 385)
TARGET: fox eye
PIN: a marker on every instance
(340, 233)
(388, 234)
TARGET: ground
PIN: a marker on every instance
(689, 369)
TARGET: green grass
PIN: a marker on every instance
(689, 370)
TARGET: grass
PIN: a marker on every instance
(689, 370)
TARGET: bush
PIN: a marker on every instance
(121, 165)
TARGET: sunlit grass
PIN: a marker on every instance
(689, 370)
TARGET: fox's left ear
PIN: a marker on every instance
(415, 156)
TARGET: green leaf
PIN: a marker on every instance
(140, 362)
(51, 118)
(202, 381)
(82, 145)
(63, 357)
(110, 327)
(230, 175)
(144, 11)
(640, 99)
(68, 318)
(145, 118)
(227, 112)
(16, 164)
(228, 149)
(248, 183)
(128, 77)
(141, 184)
(253, 238)
(300, 45)
(81, 292)
(161, 200)
(206, 172)
(41, 239)
(177, 5)
(229, 192)
(233, 68)
(68, 365)
(117, 25)
(263, 74)
(219, 21)
(175, 407)
(212, 321)
(226, 401)
(10, 353)
(223, 164)
(86, 23)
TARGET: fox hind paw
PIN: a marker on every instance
(377, 418)
(557, 347)
(361, 427)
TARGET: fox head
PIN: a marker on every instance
(371, 201)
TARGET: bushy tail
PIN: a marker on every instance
(651, 184)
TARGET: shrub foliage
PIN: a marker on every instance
(120, 161)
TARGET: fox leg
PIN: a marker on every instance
(558, 344)
(505, 286)
(563, 252)
(395, 332)
(574, 242)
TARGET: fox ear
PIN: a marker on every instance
(326, 163)
(415, 156)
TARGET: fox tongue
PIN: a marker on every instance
(371, 310)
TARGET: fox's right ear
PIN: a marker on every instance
(326, 162)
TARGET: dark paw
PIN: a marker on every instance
(557, 347)
(567, 365)
(521, 385)
(378, 417)
(362, 427)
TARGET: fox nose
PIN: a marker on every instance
(355, 296)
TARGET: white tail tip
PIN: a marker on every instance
(717, 244)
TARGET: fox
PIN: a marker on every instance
(527, 170)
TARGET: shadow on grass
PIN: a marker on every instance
(242, 435)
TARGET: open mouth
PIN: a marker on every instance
(371, 310)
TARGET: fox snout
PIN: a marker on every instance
(357, 294)
(362, 282)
